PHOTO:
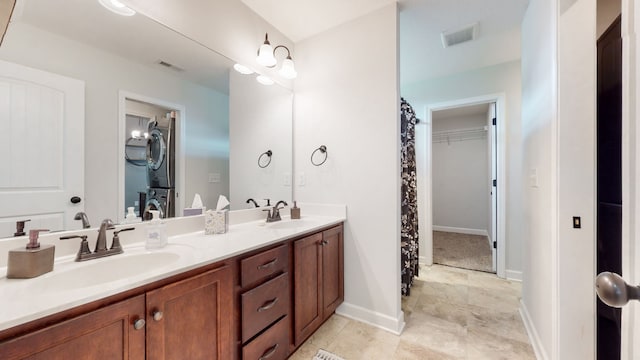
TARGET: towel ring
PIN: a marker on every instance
(268, 153)
(323, 150)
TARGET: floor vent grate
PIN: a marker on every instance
(325, 355)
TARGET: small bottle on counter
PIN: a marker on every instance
(156, 232)
(295, 211)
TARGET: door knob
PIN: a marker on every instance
(614, 291)
(75, 199)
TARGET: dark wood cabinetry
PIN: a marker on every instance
(107, 333)
(259, 305)
(189, 319)
(318, 280)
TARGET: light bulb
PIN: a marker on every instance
(287, 70)
(265, 55)
(264, 80)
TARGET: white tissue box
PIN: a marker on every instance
(216, 222)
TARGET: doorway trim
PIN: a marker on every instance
(180, 147)
(499, 99)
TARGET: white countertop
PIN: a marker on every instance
(72, 283)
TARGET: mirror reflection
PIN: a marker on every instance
(77, 84)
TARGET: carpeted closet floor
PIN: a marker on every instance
(462, 250)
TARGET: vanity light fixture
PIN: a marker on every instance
(244, 70)
(267, 57)
(117, 7)
(264, 80)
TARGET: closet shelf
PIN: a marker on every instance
(456, 135)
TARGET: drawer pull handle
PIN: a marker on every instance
(269, 353)
(268, 305)
(268, 264)
(138, 324)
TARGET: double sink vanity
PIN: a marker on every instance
(257, 292)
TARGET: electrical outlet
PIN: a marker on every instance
(300, 181)
(533, 178)
(286, 179)
(214, 177)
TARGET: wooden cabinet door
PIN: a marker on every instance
(192, 318)
(107, 333)
(307, 256)
(332, 270)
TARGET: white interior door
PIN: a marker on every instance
(41, 148)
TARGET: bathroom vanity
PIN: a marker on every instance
(255, 293)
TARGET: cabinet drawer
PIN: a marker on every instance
(264, 304)
(273, 344)
(259, 267)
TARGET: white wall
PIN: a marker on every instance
(104, 75)
(260, 119)
(539, 229)
(501, 78)
(350, 103)
(576, 180)
(460, 176)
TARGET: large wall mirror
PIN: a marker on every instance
(84, 88)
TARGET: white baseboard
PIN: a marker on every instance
(533, 334)
(384, 322)
(461, 230)
(513, 275)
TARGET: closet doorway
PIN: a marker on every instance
(463, 220)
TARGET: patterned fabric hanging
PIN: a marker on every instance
(409, 212)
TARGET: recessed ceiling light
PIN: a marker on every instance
(264, 80)
(242, 69)
(117, 7)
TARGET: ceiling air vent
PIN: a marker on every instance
(459, 36)
(169, 65)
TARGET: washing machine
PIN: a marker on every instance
(161, 199)
(161, 153)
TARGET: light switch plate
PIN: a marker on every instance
(286, 179)
(300, 181)
(214, 177)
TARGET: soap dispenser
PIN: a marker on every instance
(295, 211)
(156, 232)
(32, 260)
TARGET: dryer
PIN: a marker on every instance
(161, 153)
(160, 199)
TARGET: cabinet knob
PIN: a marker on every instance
(323, 242)
(157, 315)
(269, 353)
(139, 324)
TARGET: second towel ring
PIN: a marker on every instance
(323, 150)
(268, 153)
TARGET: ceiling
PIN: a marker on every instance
(459, 112)
(421, 22)
(136, 38)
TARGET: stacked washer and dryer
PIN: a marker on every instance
(161, 167)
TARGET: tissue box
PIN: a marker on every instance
(216, 222)
(192, 211)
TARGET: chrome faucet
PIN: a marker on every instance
(101, 243)
(274, 214)
(85, 220)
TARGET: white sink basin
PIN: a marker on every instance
(292, 224)
(105, 270)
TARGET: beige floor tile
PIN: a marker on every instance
(410, 351)
(451, 314)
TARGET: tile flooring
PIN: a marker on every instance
(451, 314)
